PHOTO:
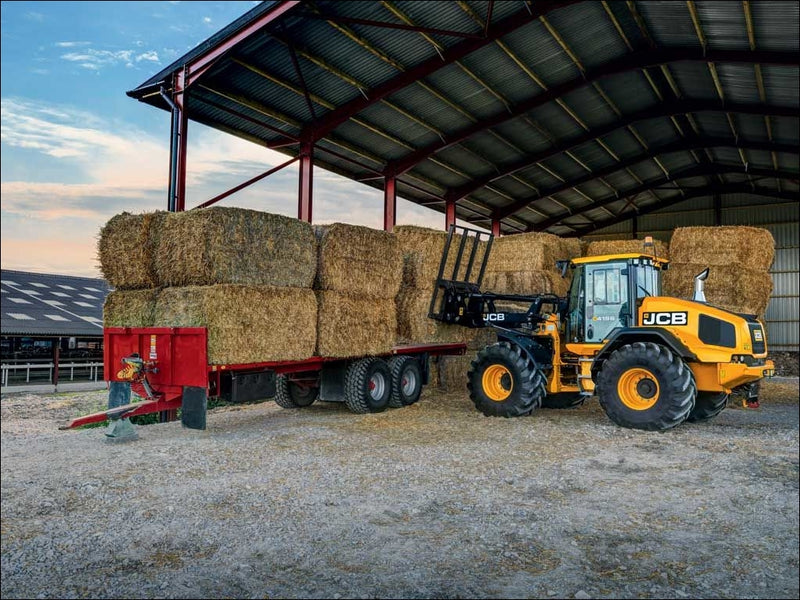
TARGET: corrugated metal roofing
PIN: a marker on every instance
(36, 304)
(495, 101)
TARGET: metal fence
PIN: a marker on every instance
(33, 371)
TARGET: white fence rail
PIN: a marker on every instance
(95, 370)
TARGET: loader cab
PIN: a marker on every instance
(605, 294)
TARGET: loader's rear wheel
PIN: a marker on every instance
(646, 386)
(367, 386)
(707, 406)
(289, 394)
(563, 400)
(504, 382)
(406, 381)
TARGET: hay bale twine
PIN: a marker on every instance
(354, 325)
(730, 287)
(126, 248)
(222, 245)
(130, 308)
(602, 247)
(358, 260)
(245, 323)
(747, 247)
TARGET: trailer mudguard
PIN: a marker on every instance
(193, 407)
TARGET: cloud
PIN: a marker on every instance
(72, 44)
(152, 56)
(94, 60)
(206, 19)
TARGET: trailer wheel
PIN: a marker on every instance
(707, 406)
(504, 382)
(406, 381)
(563, 400)
(368, 386)
(288, 394)
(645, 386)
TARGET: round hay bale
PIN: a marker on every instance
(223, 245)
(358, 260)
(747, 247)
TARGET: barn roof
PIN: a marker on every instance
(557, 116)
(37, 304)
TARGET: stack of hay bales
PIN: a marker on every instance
(422, 250)
(526, 264)
(244, 275)
(358, 276)
(738, 259)
(601, 247)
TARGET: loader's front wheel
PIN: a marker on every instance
(707, 406)
(504, 382)
(645, 386)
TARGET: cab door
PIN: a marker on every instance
(606, 300)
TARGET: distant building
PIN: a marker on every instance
(39, 312)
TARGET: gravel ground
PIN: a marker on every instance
(433, 500)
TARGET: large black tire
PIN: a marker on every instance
(646, 386)
(367, 386)
(290, 395)
(504, 382)
(563, 400)
(406, 381)
(707, 406)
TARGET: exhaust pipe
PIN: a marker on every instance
(699, 287)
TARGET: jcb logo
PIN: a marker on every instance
(665, 318)
(494, 317)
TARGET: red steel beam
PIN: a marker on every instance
(305, 199)
(449, 213)
(194, 69)
(681, 145)
(662, 109)
(496, 227)
(630, 62)
(711, 190)
(389, 204)
(241, 186)
(456, 52)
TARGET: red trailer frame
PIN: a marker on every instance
(177, 359)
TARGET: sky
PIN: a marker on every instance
(75, 150)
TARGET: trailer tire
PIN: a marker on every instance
(290, 395)
(707, 406)
(645, 386)
(406, 381)
(368, 386)
(504, 382)
(563, 400)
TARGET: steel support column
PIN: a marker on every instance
(305, 188)
(178, 145)
(449, 213)
(389, 203)
(496, 227)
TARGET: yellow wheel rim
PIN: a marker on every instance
(638, 389)
(497, 383)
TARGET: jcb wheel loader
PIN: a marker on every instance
(653, 361)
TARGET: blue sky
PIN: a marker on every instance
(76, 150)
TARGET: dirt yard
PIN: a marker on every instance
(428, 501)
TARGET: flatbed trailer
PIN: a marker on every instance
(168, 367)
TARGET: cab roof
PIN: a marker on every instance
(657, 260)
